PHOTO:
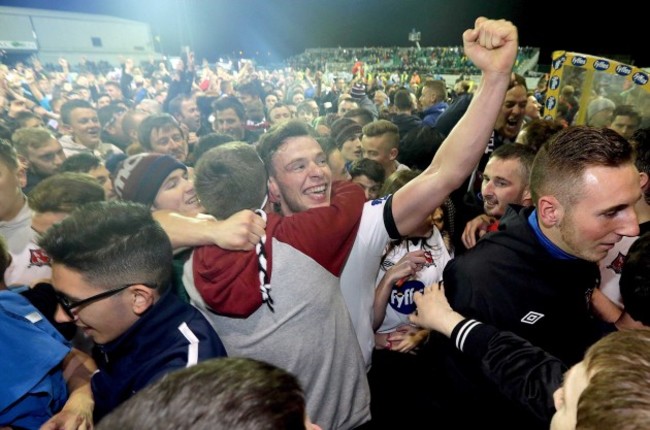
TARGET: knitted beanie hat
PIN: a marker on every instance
(344, 129)
(140, 176)
(358, 91)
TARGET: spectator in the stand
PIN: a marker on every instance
(28, 119)
(150, 106)
(361, 115)
(338, 164)
(93, 166)
(461, 87)
(419, 146)
(380, 142)
(346, 104)
(208, 142)
(305, 112)
(600, 111)
(533, 109)
(130, 124)
(369, 175)
(41, 152)
(185, 110)
(103, 100)
(381, 100)
(114, 90)
(269, 101)
(567, 96)
(230, 119)
(250, 95)
(625, 120)
(433, 101)
(279, 113)
(404, 118)
(111, 119)
(537, 132)
(224, 394)
(82, 130)
(330, 100)
(346, 134)
(358, 93)
(162, 134)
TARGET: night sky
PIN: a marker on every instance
(286, 27)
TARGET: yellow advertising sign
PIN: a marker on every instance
(580, 78)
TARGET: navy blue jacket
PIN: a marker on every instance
(171, 335)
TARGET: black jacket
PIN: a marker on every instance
(510, 281)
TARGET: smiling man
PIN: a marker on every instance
(111, 268)
(162, 134)
(80, 123)
(505, 182)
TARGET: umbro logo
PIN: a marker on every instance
(532, 317)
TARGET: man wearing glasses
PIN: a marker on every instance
(111, 268)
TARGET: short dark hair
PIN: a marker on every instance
(364, 114)
(561, 162)
(112, 244)
(8, 154)
(370, 168)
(155, 122)
(276, 137)
(627, 110)
(539, 131)
(23, 117)
(82, 162)
(5, 257)
(65, 192)
(635, 280)
(209, 141)
(70, 105)
(403, 99)
(175, 104)
(515, 151)
(397, 180)
(230, 102)
(230, 178)
(418, 147)
(218, 394)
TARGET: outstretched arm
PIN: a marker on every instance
(240, 232)
(521, 371)
(492, 47)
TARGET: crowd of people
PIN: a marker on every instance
(199, 247)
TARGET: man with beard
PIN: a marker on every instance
(40, 151)
(534, 277)
(505, 182)
(185, 110)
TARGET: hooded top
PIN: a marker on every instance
(308, 330)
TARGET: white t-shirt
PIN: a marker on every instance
(400, 303)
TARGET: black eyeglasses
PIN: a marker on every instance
(68, 305)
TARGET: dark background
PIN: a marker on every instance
(286, 27)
